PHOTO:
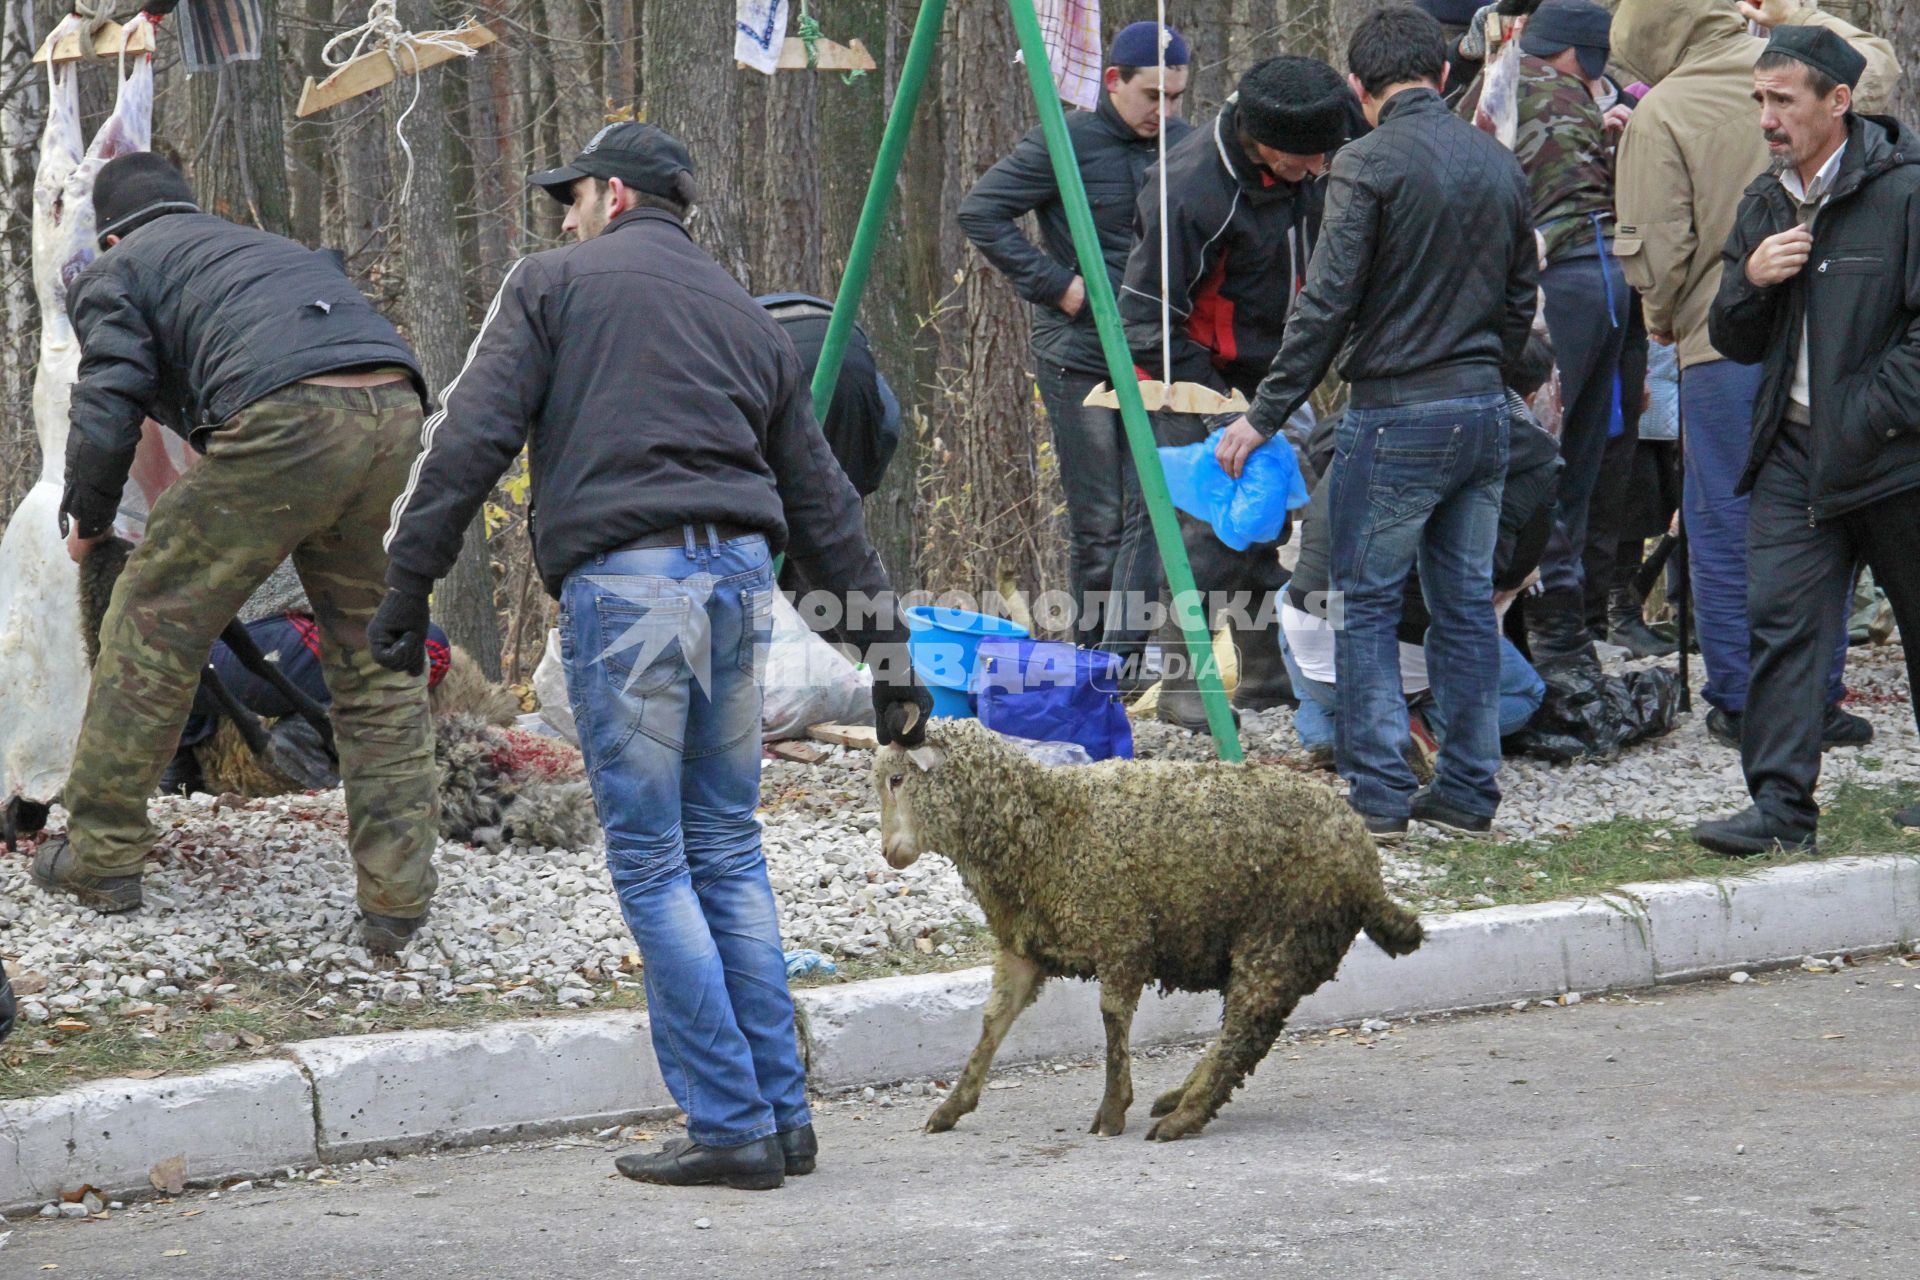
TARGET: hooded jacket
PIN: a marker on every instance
(1113, 161)
(1859, 299)
(1693, 146)
(1237, 248)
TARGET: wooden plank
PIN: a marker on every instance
(1181, 397)
(846, 735)
(830, 55)
(107, 41)
(372, 71)
(801, 752)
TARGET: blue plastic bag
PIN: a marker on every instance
(1244, 511)
(1051, 692)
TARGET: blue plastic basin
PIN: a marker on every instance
(943, 643)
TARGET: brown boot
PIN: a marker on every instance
(56, 868)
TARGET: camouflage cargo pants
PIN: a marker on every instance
(312, 472)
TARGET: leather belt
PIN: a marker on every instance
(1449, 382)
(678, 534)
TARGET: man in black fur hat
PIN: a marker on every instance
(1243, 206)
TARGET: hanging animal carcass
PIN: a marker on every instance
(43, 669)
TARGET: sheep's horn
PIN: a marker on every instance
(928, 758)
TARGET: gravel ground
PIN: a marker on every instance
(267, 886)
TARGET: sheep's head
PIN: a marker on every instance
(898, 774)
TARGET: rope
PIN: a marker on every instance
(1166, 306)
(382, 30)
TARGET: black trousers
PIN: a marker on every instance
(1799, 572)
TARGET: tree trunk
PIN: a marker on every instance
(307, 139)
(21, 118)
(1899, 21)
(992, 522)
(693, 91)
(434, 305)
(240, 169)
(617, 27)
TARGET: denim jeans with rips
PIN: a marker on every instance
(663, 648)
(1419, 484)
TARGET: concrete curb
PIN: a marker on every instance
(346, 1097)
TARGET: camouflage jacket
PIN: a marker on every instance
(1562, 144)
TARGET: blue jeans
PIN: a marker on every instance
(663, 648)
(1716, 405)
(1316, 721)
(1418, 484)
(1586, 305)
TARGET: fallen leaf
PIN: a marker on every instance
(1833, 1035)
(315, 1015)
(145, 1073)
(193, 1213)
(174, 1253)
(220, 1041)
(1339, 1031)
(73, 1025)
(75, 1197)
(49, 1266)
(170, 1175)
(252, 1040)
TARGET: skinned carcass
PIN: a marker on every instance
(43, 669)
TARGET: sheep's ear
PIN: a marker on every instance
(928, 758)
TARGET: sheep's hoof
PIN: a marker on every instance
(1169, 1102)
(942, 1120)
(1175, 1127)
(1105, 1128)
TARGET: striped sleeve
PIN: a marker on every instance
(465, 447)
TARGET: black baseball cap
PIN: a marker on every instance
(1559, 25)
(644, 156)
(1818, 47)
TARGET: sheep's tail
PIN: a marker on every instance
(1393, 928)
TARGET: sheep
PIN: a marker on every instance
(1245, 880)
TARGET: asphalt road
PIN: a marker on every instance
(1716, 1131)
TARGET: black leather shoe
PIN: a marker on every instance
(388, 935)
(1385, 830)
(1750, 832)
(1435, 812)
(798, 1147)
(754, 1166)
(1844, 729)
(57, 870)
(1724, 727)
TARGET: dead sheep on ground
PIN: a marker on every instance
(1247, 880)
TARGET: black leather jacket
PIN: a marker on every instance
(1856, 298)
(1424, 278)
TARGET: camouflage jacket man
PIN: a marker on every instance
(1562, 144)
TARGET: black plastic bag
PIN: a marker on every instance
(1588, 714)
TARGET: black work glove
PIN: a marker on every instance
(901, 704)
(398, 633)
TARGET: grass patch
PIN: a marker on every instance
(269, 1011)
(1605, 856)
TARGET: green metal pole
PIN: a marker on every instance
(1133, 412)
(873, 214)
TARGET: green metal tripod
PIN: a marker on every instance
(1106, 317)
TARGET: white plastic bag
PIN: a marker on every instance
(808, 681)
(550, 691)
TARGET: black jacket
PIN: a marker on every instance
(1237, 245)
(1113, 163)
(1425, 267)
(1526, 519)
(190, 319)
(862, 425)
(651, 391)
(1860, 298)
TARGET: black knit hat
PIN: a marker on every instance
(1822, 50)
(134, 189)
(1297, 105)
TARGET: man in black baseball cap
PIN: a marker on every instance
(624, 166)
(1579, 25)
(673, 451)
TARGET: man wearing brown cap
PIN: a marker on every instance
(673, 451)
(1820, 287)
